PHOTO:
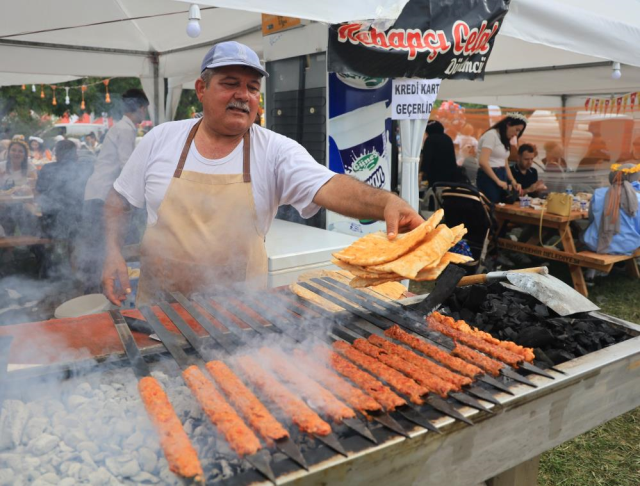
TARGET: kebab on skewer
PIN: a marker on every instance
(350, 394)
(312, 391)
(383, 394)
(254, 412)
(240, 437)
(181, 456)
(405, 385)
(474, 342)
(456, 364)
(428, 380)
(423, 363)
(489, 365)
(306, 419)
(526, 353)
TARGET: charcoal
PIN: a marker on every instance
(542, 357)
(468, 316)
(534, 337)
(518, 317)
(541, 310)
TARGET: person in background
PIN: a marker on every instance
(613, 214)
(524, 173)
(17, 171)
(494, 148)
(553, 160)
(438, 161)
(117, 147)
(18, 176)
(39, 154)
(91, 142)
(634, 154)
(597, 156)
(5, 140)
(60, 192)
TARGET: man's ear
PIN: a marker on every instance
(200, 88)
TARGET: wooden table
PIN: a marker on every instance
(513, 213)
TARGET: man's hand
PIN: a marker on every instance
(400, 217)
(115, 279)
(350, 197)
(503, 185)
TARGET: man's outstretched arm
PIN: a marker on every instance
(348, 196)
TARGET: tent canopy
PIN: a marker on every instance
(564, 47)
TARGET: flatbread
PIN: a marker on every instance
(431, 250)
(458, 232)
(392, 290)
(359, 271)
(433, 272)
(359, 282)
(376, 248)
(315, 298)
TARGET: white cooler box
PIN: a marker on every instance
(294, 248)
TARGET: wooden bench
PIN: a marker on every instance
(606, 262)
(13, 241)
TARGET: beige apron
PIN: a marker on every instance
(206, 236)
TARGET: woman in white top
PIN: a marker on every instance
(494, 176)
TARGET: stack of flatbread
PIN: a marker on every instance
(422, 254)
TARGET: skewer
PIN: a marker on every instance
(173, 438)
(408, 314)
(204, 348)
(354, 424)
(260, 461)
(236, 332)
(408, 410)
(412, 326)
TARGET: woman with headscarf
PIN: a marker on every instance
(614, 218)
(494, 148)
(438, 162)
(39, 154)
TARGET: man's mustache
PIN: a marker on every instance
(239, 105)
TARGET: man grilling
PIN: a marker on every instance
(212, 187)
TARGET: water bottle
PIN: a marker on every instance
(569, 190)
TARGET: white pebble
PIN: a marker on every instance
(84, 389)
(129, 469)
(12, 461)
(86, 457)
(73, 438)
(13, 418)
(147, 459)
(6, 477)
(35, 427)
(67, 482)
(54, 406)
(90, 447)
(145, 477)
(75, 401)
(100, 477)
(51, 478)
(134, 441)
(43, 444)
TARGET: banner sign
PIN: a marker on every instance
(359, 139)
(413, 99)
(449, 39)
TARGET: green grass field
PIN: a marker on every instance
(608, 455)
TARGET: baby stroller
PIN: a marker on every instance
(464, 204)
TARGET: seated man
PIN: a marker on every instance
(524, 173)
(613, 215)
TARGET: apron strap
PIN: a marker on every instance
(246, 155)
(185, 149)
(246, 158)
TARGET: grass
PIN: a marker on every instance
(608, 455)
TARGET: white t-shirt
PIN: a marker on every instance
(499, 154)
(282, 171)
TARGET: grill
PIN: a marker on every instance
(428, 433)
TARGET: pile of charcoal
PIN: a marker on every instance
(514, 316)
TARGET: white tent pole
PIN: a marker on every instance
(411, 136)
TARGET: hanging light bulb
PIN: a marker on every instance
(66, 96)
(33, 88)
(107, 98)
(83, 89)
(615, 73)
(54, 102)
(42, 91)
(193, 27)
